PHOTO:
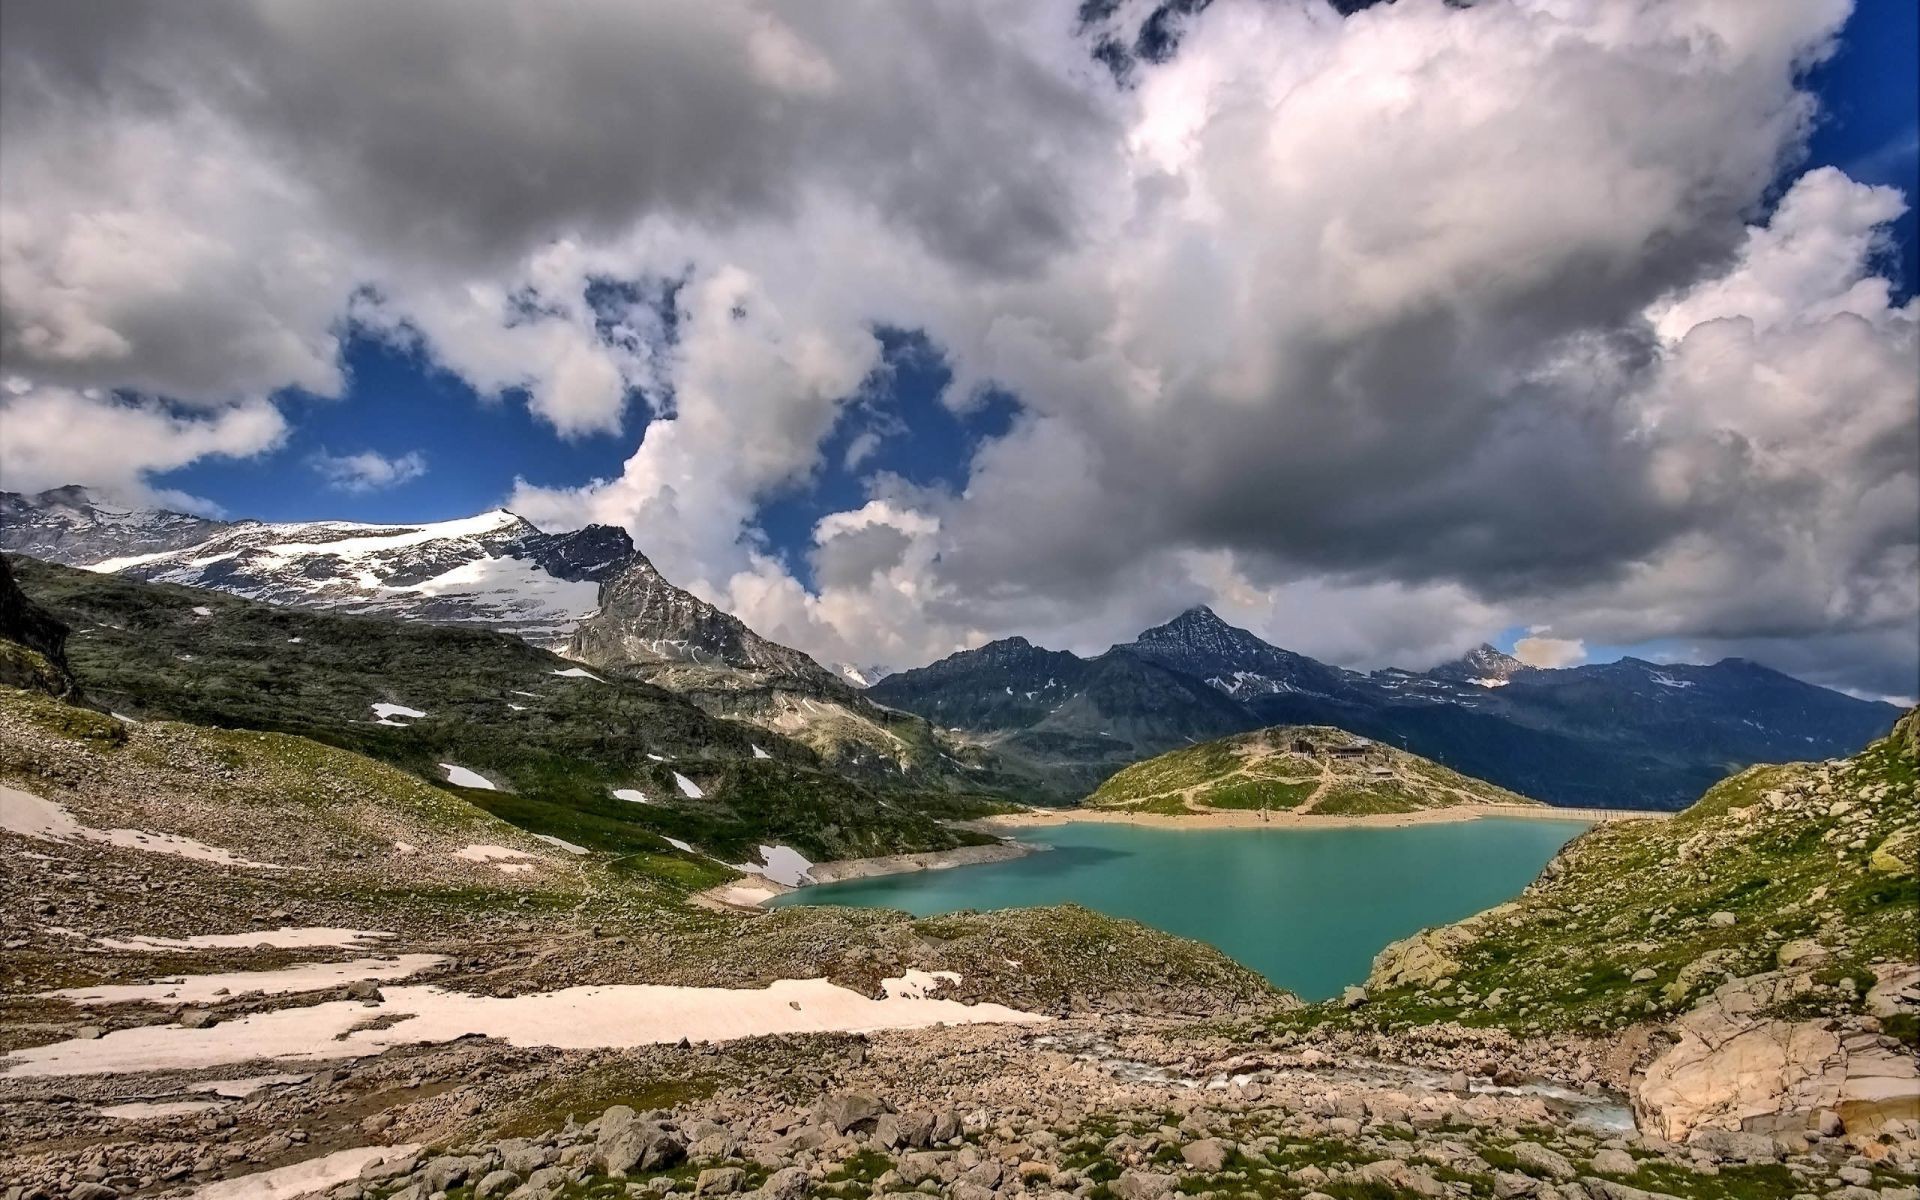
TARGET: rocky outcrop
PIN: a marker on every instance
(32, 642)
(1426, 958)
(1736, 1067)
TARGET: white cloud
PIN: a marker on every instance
(367, 471)
(1538, 651)
(52, 436)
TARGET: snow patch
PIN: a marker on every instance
(688, 787)
(481, 853)
(1489, 682)
(579, 673)
(631, 794)
(613, 1016)
(677, 844)
(201, 610)
(141, 1110)
(386, 713)
(43, 820)
(759, 753)
(563, 843)
(782, 864)
(914, 984)
(461, 777)
(307, 1178)
(283, 981)
(284, 938)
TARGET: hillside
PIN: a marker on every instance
(1804, 867)
(1310, 770)
(587, 592)
(602, 761)
(1626, 734)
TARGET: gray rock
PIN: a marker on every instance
(496, 1183)
(842, 1111)
(1614, 1162)
(1143, 1185)
(364, 989)
(199, 1018)
(445, 1172)
(637, 1145)
(1208, 1154)
(788, 1183)
(719, 1181)
(92, 1191)
(1536, 1159)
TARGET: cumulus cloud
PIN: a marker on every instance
(51, 436)
(1374, 330)
(367, 471)
(1537, 651)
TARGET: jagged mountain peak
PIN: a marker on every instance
(642, 618)
(1198, 620)
(1484, 664)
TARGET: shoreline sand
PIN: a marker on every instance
(1285, 819)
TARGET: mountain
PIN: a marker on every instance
(1628, 734)
(1482, 666)
(646, 628)
(1307, 770)
(587, 592)
(536, 739)
(69, 525)
(1200, 644)
(494, 570)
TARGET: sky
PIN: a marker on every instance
(1385, 329)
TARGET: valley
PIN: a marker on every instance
(384, 908)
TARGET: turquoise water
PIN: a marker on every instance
(1308, 908)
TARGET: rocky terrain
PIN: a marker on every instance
(1627, 734)
(1304, 769)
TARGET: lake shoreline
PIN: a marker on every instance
(753, 892)
(1285, 819)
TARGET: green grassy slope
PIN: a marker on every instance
(1312, 769)
(1806, 862)
(557, 745)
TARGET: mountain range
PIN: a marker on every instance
(1008, 716)
(588, 593)
(1630, 733)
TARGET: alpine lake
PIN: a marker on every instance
(1308, 908)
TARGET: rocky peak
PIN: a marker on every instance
(645, 619)
(1482, 663)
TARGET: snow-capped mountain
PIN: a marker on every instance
(69, 525)
(1482, 666)
(861, 677)
(494, 569)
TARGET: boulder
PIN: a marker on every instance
(637, 1145)
(1143, 1185)
(719, 1181)
(1207, 1155)
(1734, 1069)
(841, 1111)
(1535, 1159)
(788, 1183)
